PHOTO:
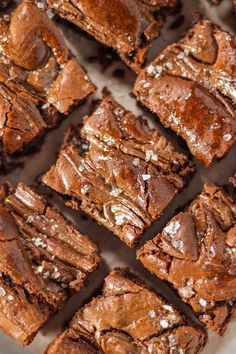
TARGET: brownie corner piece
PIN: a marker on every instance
(126, 175)
(109, 322)
(195, 253)
(40, 79)
(43, 260)
(104, 21)
(191, 87)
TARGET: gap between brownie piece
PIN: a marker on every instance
(44, 259)
(40, 79)
(196, 254)
(191, 86)
(104, 20)
(129, 317)
(119, 171)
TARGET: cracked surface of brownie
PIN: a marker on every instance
(39, 77)
(191, 86)
(128, 317)
(126, 175)
(43, 260)
(196, 254)
(104, 20)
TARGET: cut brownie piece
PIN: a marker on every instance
(196, 253)
(191, 86)
(128, 317)
(43, 259)
(39, 77)
(126, 175)
(126, 26)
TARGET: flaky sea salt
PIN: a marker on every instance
(152, 313)
(30, 219)
(136, 162)
(172, 228)
(120, 219)
(40, 5)
(202, 302)
(168, 308)
(84, 189)
(164, 324)
(145, 177)
(115, 192)
(2, 292)
(227, 137)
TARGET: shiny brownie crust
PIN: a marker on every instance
(104, 20)
(39, 77)
(195, 253)
(43, 260)
(126, 175)
(191, 87)
(128, 317)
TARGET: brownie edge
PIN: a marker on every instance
(128, 317)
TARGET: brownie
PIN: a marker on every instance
(126, 26)
(128, 317)
(126, 175)
(195, 253)
(43, 260)
(39, 77)
(191, 87)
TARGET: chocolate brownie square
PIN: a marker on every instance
(44, 258)
(126, 175)
(126, 26)
(196, 254)
(128, 317)
(191, 87)
(39, 77)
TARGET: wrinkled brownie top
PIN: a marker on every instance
(128, 317)
(126, 175)
(38, 76)
(127, 26)
(196, 253)
(43, 258)
(191, 86)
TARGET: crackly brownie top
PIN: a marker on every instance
(126, 175)
(43, 258)
(196, 253)
(127, 26)
(38, 76)
(191, 86)
(127, 317)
